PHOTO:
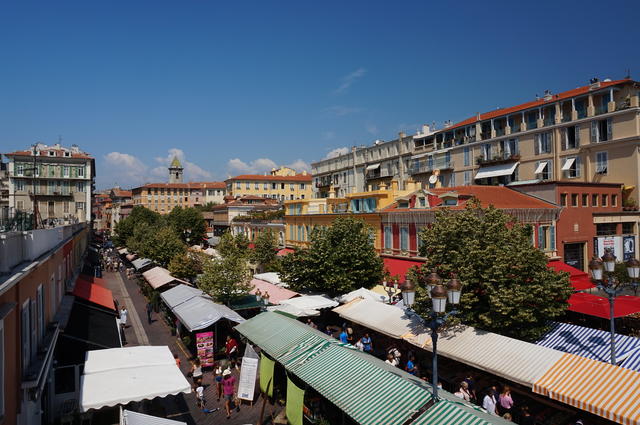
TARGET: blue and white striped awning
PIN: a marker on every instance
(593, 344)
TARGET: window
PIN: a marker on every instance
(585, 200)
(273, 186)
(605, 200)
(547, 238)
(20, 205)
(614, 200)
(467, 178)
(602, 162)
(80, 186)
(571, 137)
(238, 185)
(79, 205)
(247, 185)
(80, 171)
(486, 151)
(302, 187)
(388, 237)
(544, 170)
(422, 202)
(404, 238)
(509, 147)
(574, 199)
(467, 156)
(292, 187)
(572, 167)
(601, 130)
(563, 200)
(300, 233)
(594, 200)
(65, 171)
(291, 232)
(19, 185)
(605, 229)
(281, 186)
(542, 142)
(25, 334)
(19, 169)
(628, 228)
(40, 309)
(265, 186)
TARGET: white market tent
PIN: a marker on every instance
(122, 375)
(141, 263)
(127, 417)
(159, 276)
(294, 311)
(123, 251)
(271, 277)
(311, 302)
(362, 293)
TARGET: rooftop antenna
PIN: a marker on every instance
(60, 139)
(628, 76)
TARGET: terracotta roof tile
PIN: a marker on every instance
(303, 178)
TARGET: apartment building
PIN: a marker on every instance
(588, 134)
(214, 192)
(222, 217)
(364, 166)
(4, 192)
(53, 181)
(37, 267)
(274, 186)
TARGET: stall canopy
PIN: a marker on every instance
(141, 263)
(578, 279)
(285, 251)
(270, 277)
(123, 251)
(122, 375)
(311, 302)
(594, 305)
(600, 388)
(159, 276)
(94, 293)
(131, 257)
(384, 318)
(134, 418)
(196, 310)
(293, 311)
(276, 293)
(593, 344)
(363, 293)
(400, 267)
(360, 385)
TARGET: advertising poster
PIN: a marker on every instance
(204, 347)
(248, 374)
(629, 246)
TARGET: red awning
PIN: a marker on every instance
(94, 293)
(284, 251)
(578, 279)
(92, 279)
(594, 305)
(399, 266)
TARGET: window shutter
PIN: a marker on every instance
(536, 144)
(565, 139)
(552, 237)
(540, 238)
(578, 166)
(594, 132)
(577, 133)
(609, 128)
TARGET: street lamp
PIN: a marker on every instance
(602, 273)
(391, 290)
(440, 295)
(263, 299)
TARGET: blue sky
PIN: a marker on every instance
(236, 87)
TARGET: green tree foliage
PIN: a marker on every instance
(233, 246)
(226, 278)
(264, 251)
(186, 265)
(187, 223)
(157, 243)
(206, 207)
(508, 287)
(339, 259)
(124, 229)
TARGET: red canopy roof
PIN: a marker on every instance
(594, 305)
(94, 293)
(92, 279)
(578, 279)
(284, 251)
(399, 266)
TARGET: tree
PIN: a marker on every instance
(186, 265)
(233, 246)
(188, 223)
(264, 251)
(162, 246)
(124, 229)
(206, 207)
(226, 278)
(339, 259)
(508, 287)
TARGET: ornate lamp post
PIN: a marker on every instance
(263, 299)
(440, 295)
(391, 290)
(602, 273)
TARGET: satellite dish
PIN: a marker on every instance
(433, 179)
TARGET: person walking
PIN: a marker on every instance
(200, 401)
(359, 344)
(505, 400)
(149, 309)
(391, 360)
(343, 336)
(123, 316)
(471, 384)
(367, 343)
(228, 385)
(463, 392)
(231, 349)
(411, 366)
(489, 402)
(196, 371)
(217, 373)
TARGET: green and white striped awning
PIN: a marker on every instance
(448, 412)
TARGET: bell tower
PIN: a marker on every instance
(175, 171)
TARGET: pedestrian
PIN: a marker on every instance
(177, 359)
(505, 400)
(507, 416)
(149, 311)
(463, 392)
(123, 316)
(472, 386)
(360, 345)
(411, 366)
(395, 353)
(231, 349)
(489, 402)
(367, 343)
(525, 416)
(196, 370)
(310, 323)
(200, 394)
(391, 360)
(343, 336)
(217, 373)
(228, 384)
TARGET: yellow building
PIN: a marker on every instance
(302, 215)
(281, 187)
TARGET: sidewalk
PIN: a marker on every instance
(182, 407)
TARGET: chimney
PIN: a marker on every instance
(383, 186)
(369, 188)
(425, 129)
(401, 135)
(394, 185)
(332, 192)
(304, 172)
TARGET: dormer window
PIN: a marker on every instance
(67, 154)
(422, 202)
(450, 201)
(403, 204)
(52, 153)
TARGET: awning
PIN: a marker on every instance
(597, 387)
(270, 277)
(541, 167)
(399, 266)
(450, 412)
(363, 293)
(311, 302)
(578, 279)
(276, 293)
(594, 305)
(373, 167)
(131, 257)
(568, 163)
(384, 318)
(122, 375)
(94, 293)
(141, 263)
(159, 276)
(123, 251)
(285, 251)
(293, 311)
(196, 310)
(134, 418)
(593, 344)
(496, 170)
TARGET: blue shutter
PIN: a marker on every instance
(577, 133)
(609, 128)
(594, 132)
(552, 237)
(540, 238)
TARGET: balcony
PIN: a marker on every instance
(378, 174)
(55, 193)
(439, 164)
(499, 158)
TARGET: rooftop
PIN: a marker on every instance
(55, 151)
(303, 178)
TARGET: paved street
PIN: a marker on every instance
(140, 332)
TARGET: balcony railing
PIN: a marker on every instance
(427, 168)
(499, 158)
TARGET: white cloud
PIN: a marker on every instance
(336, 152)
(300, 165)
(349, 79)
(341, 111)
(122, 169)
(237, 166)
(192, 171)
